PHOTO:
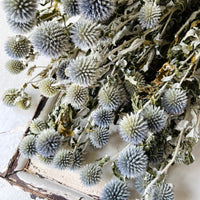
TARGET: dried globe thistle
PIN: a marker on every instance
(37, 125)
(70, 7)
(97, 10)
(149, 14)
(61, 70)
(17, 47)
(9, 96)
(133, 128)
(63, 159)
(23, 102)
(47, 87)
(15, 66)
(156, 118)
(91, 174)
(175, 101)
(20, 10)
(50, 39)
(115, 190)
(48, 142)
(103, 118)
(46, 160)
(132, 162)
(78, 157)
(27, 146)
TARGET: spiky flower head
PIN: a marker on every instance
(48, 142)
(97, 10)
(132, 162)
(78, 157)
(115, 190)
(149, 14)
(63, 159)
(47, 87)
(15, 66)
(102, 118)
(9, 96)
(175, 101)
(27, 146)
(99, 137)
(17, 46)
(23, 102)
(156, 118)
(50, 39)
(70, 7)
(37, 125)
(91, 174)
(46, 160)
(85, 34)
(133, 128)
(77, 96)
(61, 70)
(20, 10)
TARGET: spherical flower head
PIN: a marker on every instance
(85, 34)
(115, 190)
(48, 142)
(23, 102)
(149, 15)
(99, 137)
(78, 157)
(37, 125)
(97, 10)
(133, 128)
(47, 87)
(9, 96)
(63, 159)
(28, 146)
(50, 39)
(20, 10)
(17, 47)
(156, 118)
(77, 96)
(175, 101)
(102, 118)
(61, 70)
(15, 66)
(70, 7)
(91, 174)
(46, 160)
(132, 162)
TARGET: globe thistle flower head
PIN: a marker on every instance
(27, 146)
(61, 70)
(9, 96)
(20, 10)
(97, 10)
(50, 39)
(91, 174)
(15, 66)
(37, 125)
(175, 101)
(46, 160)
(78, 157)
(47, 88)
(133, 128)
(23, 102)
(77, 96)
(48, 142)
(63, 159)
(102, 118)
(99, 137)
(156, 118)
(17, 47)
(149, 15)
(70, 7)
(132, 162)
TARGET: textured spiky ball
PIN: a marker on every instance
(61, 70)
(47, 87)
(149, 15)
(133, 128)
(102, 117)
(70, 7)
(17, 47)
(115, 190)
(46, 160)
(28, 146)
(37, 125)
(175, 101)
(156, 118)
(91, 174)
(77, 96)
(9, 96)
(78, 157)
(50, 39)
(132, 162)
(15, 66)
(85, 34)
(48, 142)
(20, 10)
(24, 102)
(97, 10)
(99, 137)
(63, 159)
(83, 71)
